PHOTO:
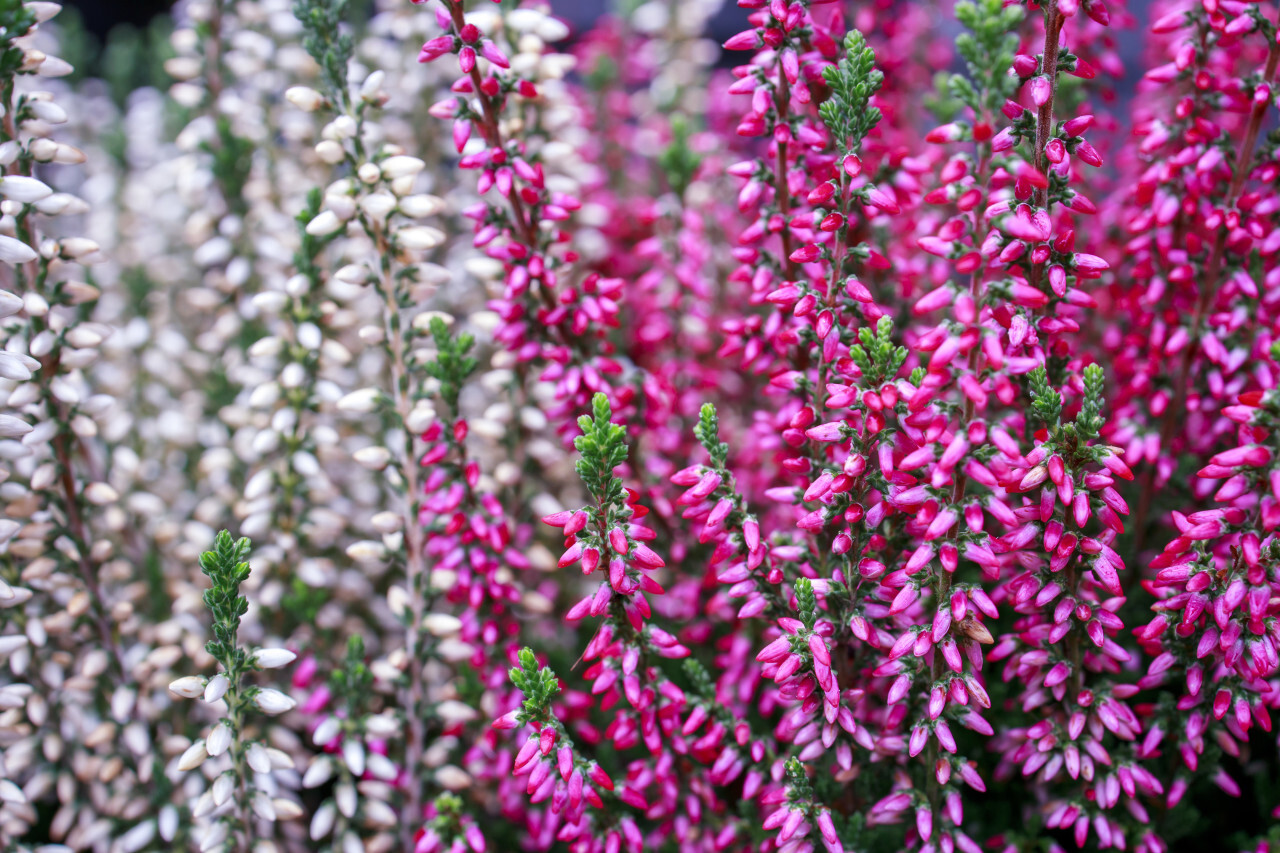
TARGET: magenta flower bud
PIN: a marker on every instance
(745, 40)
(435, 48)
(924, 823)
(491, 52)
(1041, 90)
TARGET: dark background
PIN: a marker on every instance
(101, 15)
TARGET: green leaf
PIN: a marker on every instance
(328, 45)
(853, 81)
(603, 446)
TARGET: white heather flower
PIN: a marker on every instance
(453, 778)
(371, 88)
(216, 688)
(47, 111)
(382, 767)
(385, 521)
(322, 821)
(280, 760)
(421, 206)
(421, 416)
(138, 837)
(326, 731)
(441, 624)
(272, 701)
(76, 248)
(263, 807)
(257, 758)
(342, 127)
(188, 687)
(11, 793)
(304, 98)
(286, 809)
(223, 787)
(345, 796)
(524, 20)
(168, 822)
(366, 551)
(401, 166)
(352, 274)
(24, 189)
(360, 402)
(378, 206)
(330, 152)
(193, 757)
(100, 494)
(273, 658)
(420, 237)
(219, 740)
(11, 427)
(373, 458)
(452, 711)
(353, 755)
(379, 814)
(320, 771)
(13, 251)
(9, 304)
(13, 366)
(44, 10)
(325, 223)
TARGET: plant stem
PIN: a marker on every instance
(415, 742)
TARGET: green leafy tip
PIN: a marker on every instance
(452, 364)
(538, 684)
(603, 446)
(226, 567)
(848, 113)
(876, 356)
(324, 40)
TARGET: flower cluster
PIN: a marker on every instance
(854, 430)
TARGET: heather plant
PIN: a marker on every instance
(852, 432)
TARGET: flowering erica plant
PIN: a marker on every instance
(432, 427)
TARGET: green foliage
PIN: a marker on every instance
(987, 51)
(134, 58)
(707, 431)
(226, 567)
(848, 112)
(801, 791)
(16, 20)
(806, 603)
(232, 163)
(538, 684)
(603, 446)
(700, 680)
(452, 365)
(679, 162)
(76, 44)
(1046, 403)
(942, 103)
(1090, 420)
(876, 356)
(310, 246)
(302, 603)
(352, 683)
(328, 45)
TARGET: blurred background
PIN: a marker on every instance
(100, 16)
